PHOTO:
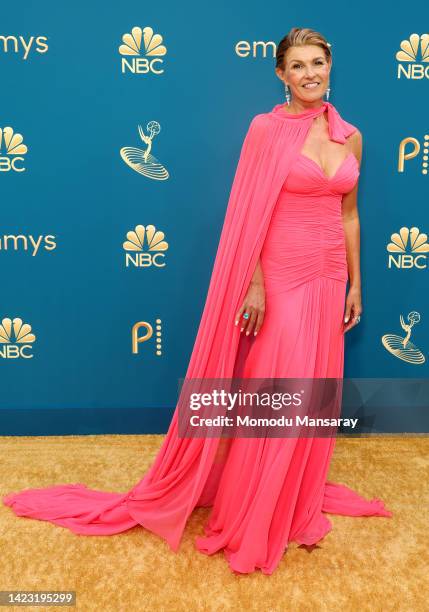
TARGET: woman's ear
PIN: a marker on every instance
(280, 73)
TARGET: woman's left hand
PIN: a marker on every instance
(353, 308)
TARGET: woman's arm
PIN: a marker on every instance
(253, 303)
(258, 275)
(351, 226)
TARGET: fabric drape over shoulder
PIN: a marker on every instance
(178, 479)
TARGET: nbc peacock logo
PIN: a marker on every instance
(142, 51)
(402, 347)
(142, 160)
(408, 249)
(413, 57)
(12, 149)
(145, 247)
(409, 148)
(16, 339)
(143, 332)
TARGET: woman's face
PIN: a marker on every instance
(302, 65)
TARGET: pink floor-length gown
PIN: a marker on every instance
(265, 492)
(272, 490)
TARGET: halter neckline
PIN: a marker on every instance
(338, 128)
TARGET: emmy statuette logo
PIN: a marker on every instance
(413, 58)
(147, 239)
(142, 51)
(409, 148)
(408, 249)
(142, 160)
(12, 148)
(137, 338)
(403, 348)
(16, 339)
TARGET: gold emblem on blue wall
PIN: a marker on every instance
(12, 148)
(413, 57)
(402, 347)
(409, 148)
(143, 50)
(16, 339)
(148, 245)
(142, 160)
(138, 338)
(408, 249)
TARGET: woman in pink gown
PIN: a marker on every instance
(284, 222)
(278, 484)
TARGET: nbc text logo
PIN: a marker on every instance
(401, 347)
(16, 339)
(411, 65)
(148, 239)
(12, 148)
(142, 160)
(14, 44)
(408, 249)
(409, 148)
(147, 334)
(143, 50)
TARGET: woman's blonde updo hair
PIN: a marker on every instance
(298, 37)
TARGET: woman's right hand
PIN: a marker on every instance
(254, 305)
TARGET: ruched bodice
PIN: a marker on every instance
(306, 234)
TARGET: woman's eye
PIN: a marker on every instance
(298, 65)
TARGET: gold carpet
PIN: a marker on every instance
(364, 563)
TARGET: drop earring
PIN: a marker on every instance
(287, 93)
(328, 91)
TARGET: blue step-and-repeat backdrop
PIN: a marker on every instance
(106, 258)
